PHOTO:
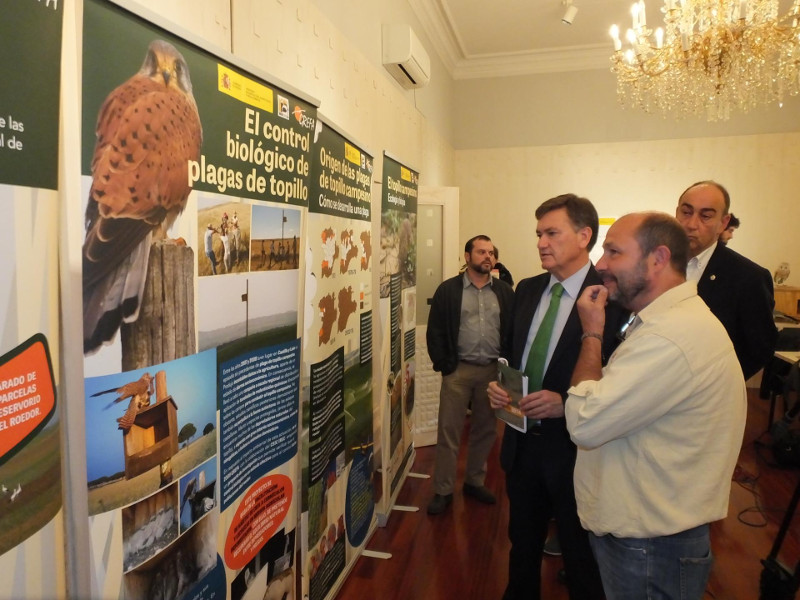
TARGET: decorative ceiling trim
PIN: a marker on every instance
(438, 26)
(577, 58)
(436, 22)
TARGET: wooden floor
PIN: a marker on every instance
(463, 554)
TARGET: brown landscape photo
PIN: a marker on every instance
(227, 222)
(274, 254)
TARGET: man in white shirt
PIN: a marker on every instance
(659, 428)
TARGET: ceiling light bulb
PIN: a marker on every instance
(614, 33)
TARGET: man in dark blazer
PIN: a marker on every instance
(738, 291)
(539, 464)
(466, 327)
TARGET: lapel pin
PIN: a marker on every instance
(713, 277)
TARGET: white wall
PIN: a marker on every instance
(206, 19)
(360, 22)
(582, 107)
(501, 188)
(301, 46)
(521, 140)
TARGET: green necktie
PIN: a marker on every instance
(537, 356)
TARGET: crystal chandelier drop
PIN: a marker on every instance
(711, 57)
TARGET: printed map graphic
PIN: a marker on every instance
(366, 249)
(330, 251)
(347, 306)
(350, 250)
(327, 313)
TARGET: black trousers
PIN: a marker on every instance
(539, 485)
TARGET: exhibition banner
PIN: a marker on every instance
(32, 555)
(398, 291)
(30, 72)
(337, 437)
(195, 183)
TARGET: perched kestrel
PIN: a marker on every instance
(147, 131)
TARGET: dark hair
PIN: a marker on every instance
(496, 252)
(734, 221)
(725, 195)
(471, 242)
(580, 211)
(660, 229)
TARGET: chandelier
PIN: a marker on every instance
(711, 57)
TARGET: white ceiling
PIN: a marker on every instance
(491, 38)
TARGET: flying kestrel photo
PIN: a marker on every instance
(139, 393)
(147, 130)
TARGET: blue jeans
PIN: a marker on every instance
(673, 567)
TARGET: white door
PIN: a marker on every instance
(439, 256)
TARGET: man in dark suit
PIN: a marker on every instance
(738, 291)
(539, 464)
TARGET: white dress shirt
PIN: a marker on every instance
(698, 264)
(572, 289)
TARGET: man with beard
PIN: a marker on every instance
(545, 340)
(659, 427)
(733, 224)
(465, 329)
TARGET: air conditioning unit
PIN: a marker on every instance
(405, 57)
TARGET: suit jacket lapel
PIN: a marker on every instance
(711, 272)
(537, 293)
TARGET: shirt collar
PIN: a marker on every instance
(468, 282)
(668, 299)
(572, 284)
(702, 259)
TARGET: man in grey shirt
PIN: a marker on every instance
(465, 328)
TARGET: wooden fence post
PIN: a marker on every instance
(165, 328)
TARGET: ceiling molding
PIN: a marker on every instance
(577, 58)
(438, 25)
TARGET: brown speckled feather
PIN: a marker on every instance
(147, 131)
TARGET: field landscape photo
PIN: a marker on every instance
(243, 305)
(275, 239)
(212, 211)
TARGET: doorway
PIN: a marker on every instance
(439, 256)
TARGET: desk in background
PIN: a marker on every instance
(788, 356)
(787, 300)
